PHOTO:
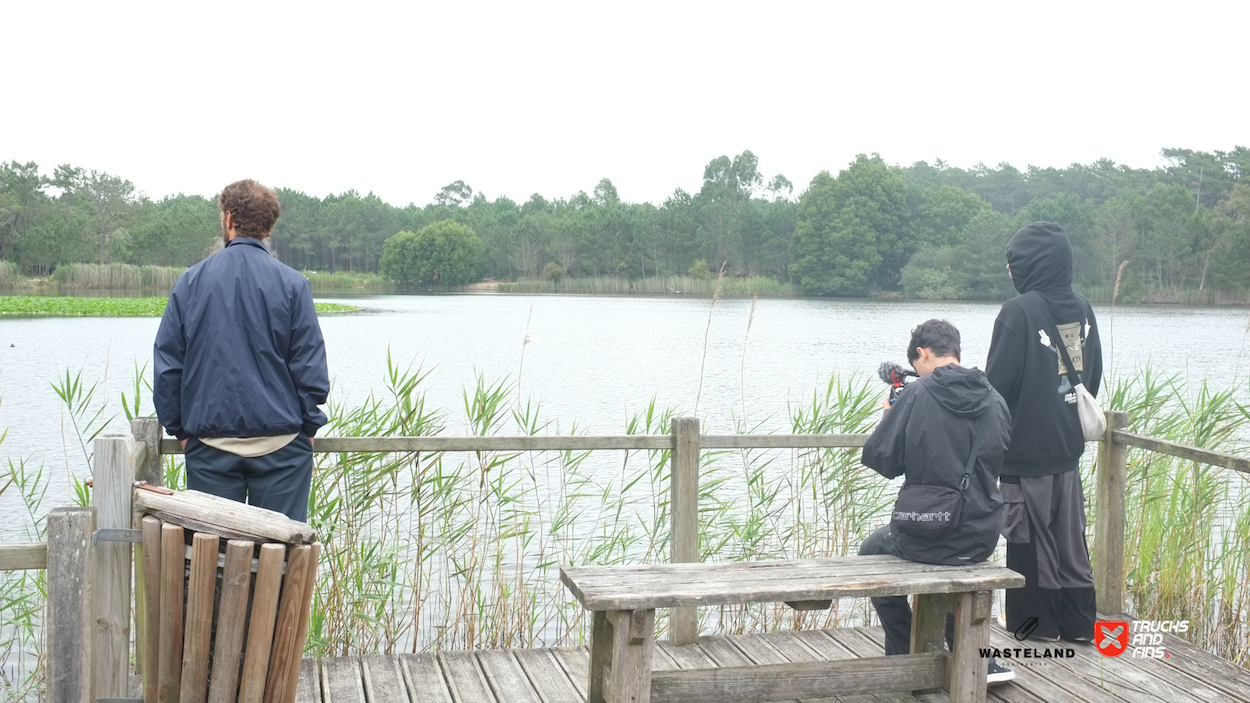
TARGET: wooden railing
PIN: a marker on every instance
(76, 564)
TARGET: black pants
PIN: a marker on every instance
(277, 481)
(894, 611)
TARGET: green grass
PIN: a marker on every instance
(43, 306)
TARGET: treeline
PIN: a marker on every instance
(928, 230)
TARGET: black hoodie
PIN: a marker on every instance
(1024, 364)
(928, 435)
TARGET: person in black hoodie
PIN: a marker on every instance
(1044, 503)
(949, 428)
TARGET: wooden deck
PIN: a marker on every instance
(559, 675)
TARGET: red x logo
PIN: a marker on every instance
(1111, 636)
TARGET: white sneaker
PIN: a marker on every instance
(998, 674)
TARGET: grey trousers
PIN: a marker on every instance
(1044, 523)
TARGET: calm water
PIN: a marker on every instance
(592, 361)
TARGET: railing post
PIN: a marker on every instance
(112, 490)
(1109, 518)
(148, 431)
(683, 623)
(69, 604)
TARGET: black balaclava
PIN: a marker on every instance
(1040, 257)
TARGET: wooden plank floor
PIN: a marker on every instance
(559, 675)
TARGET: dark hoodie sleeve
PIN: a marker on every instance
(1092, 355)
(884, 450)
(1004, 366)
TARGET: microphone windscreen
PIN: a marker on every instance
(887, 371)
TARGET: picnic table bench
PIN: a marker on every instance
(623, 600)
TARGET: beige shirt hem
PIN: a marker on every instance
(249, 446)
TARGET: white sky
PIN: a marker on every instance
(515, 98)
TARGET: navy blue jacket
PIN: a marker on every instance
(239, 352)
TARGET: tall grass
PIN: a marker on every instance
(345, 280)
(657, 285)
(11, 275)
(116, 276)
(1187, 546)
(431, 551)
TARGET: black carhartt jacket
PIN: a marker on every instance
(927, 436)
(239, 352)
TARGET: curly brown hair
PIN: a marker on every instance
(254, 207)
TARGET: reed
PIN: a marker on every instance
(761, 286)
(11, 276)
(116, 276)
(346, 280)
(426, 551)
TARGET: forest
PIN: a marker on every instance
(1179, 232)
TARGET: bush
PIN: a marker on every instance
(444, 253)
(701, 271)
(553, 272)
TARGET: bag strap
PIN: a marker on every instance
(972, 455)
(1073, 378)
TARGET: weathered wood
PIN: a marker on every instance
(628, 677)
(967, 667)
(1109, 518)
(928, 622)
(600, 657)
(383, 679)
(173, 585)
(566, 443)
(576, 663)
(1184, 451)
(69, 626)
(301, 629)
(147, 433)
(198, 627)
(668, 585)
(688, 656)
(113, 476)
(773, 682)
(286, 643)
(343, 682)
(464, 676)
(246, 521)
(424, 679)
(28, 555)
(683, 623)
(236, 582)
(506, 677)
(552, 683)
(309, 688)
(261, 624)
(151, 606)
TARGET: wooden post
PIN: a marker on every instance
(683, 623)
(147, 430)
(69, 604)
(1109, 518)
(113, 484)
(972, 633)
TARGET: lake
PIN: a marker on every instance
(588, 361)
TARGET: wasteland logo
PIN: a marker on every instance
(1143, 637)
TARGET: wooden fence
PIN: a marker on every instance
(88, 643)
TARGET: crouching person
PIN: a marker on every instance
(946, 434)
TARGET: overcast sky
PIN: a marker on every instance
(515, 98)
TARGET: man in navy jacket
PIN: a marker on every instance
(240, 364)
